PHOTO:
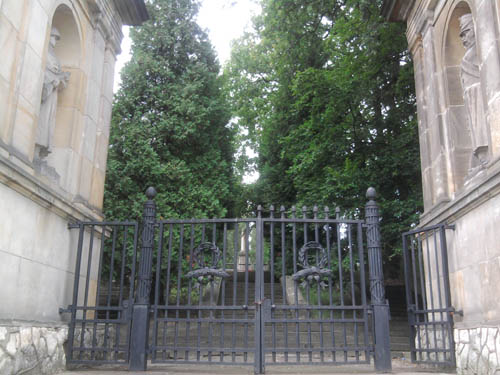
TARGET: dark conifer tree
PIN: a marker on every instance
(170, 122)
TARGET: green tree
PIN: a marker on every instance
(170, 123)
(324, 88)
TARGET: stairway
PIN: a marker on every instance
(230, 325)
(399, 330)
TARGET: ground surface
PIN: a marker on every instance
(400, 366)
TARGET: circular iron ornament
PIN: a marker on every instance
(203, 249)
(312, 245)
(206, 273)
(312, 273)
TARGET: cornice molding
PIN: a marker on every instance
(397, 10)
(132, 12)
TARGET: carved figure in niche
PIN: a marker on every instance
(54, 80)
(473, 96)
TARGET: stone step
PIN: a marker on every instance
(399, 330)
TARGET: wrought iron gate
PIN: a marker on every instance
(284, 287)
(430, 313)
(103, 291)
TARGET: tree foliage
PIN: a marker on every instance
(323, 90)
(170, 123)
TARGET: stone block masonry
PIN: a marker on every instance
(30, 348)
(478, 351)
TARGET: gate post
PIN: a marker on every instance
(140, 311)
(377, 288)
(259, 366)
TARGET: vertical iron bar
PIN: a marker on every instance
(86, 295)
(353, 294)
(438, 284)
(416, 315)
(140, 319)
(98, 294)
(330, 289)
(72, 324)
(380, 305)
(157, 291)
(431, 292)
(167, 288)
(296, 288)
(271, 258)
(198, 338)
(200, 312)
(409, 305)
(446, 284)
(424, 295)
(283, 277)
(178, 297)
(309, 337)
(110, 288)
(236, 234)
(259, 295)
(131, 291)
(211, 313)
(247, 266)
(309, 317)
(122, 282)
(190, 266)
(318, 286)
(341, 281)
(223, 296)
(361, 255)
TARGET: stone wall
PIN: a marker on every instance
(30, 348)
(455, 191)
(478, 351)
(41, 194)
(40, 348)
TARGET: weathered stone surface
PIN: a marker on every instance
(11, 346)
(477, 351)
(32, 349)
(3, 333)
(37, 251)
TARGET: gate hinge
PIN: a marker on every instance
(458, 312)
(63, 310)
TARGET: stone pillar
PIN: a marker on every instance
(423, 127)
(488, 40)
(436, 147)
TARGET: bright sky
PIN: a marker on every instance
(225, 20)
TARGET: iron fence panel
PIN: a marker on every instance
(430, 313)
(103, 290)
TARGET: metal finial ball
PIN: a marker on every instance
(151, 192)
(371, 193)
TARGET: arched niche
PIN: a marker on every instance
(68, 48)
(460, 147)
(65, 141)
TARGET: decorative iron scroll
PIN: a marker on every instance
(312, 273)
(207, 273)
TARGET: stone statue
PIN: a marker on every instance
(473, 96)
(54, 80)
